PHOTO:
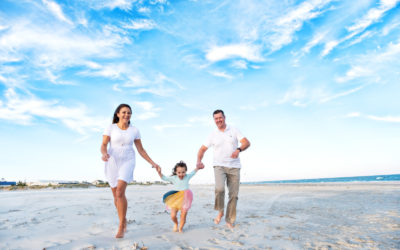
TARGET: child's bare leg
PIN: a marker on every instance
(183, 220)
(174, 219)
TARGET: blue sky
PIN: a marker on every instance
(314, 85)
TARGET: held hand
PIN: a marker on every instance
(235, 154)
(105, 157)
(199, 165)
(157, 167)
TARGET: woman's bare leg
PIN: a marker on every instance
(122, 205)
(174, 219)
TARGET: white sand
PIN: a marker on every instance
(287, 216)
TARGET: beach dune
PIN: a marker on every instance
(273, 216)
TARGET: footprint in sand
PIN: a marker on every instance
(237, 243)
(214, 241)
(163, 237)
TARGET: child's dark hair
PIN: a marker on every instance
(180, 164)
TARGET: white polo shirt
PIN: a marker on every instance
(225, 143)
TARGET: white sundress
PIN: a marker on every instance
(121, 164)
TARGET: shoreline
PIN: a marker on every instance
(89, 186)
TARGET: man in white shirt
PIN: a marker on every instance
(226, 164)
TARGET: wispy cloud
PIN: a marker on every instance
(375, 65)
(286, 26)
(20, 109)
(245, 51)
(56, 10)
(147, 110)
(384, 118)
(341, 94)
(296, 96)
(59, 48)
(221, 74)
(253, 107)
(359, 26)
(113, 4)
(239, 64)
(140, 24)
(388, 118)
(169, 126)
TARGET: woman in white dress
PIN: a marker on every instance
(120, 159)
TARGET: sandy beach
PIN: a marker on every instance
(274, 216)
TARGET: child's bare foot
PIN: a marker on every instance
(230, 225)
(175, 228)
(180, 230)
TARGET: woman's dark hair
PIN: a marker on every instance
(123, 105)
(180, 164)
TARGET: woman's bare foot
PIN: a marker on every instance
(125, 225)
(175, 228)
(217, 219)
(120, 233)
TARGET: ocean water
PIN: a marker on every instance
(392, 177)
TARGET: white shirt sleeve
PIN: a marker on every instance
(137, 135)
(238, 134)
(208, 143)
(107, 130)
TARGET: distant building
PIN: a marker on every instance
(50, 182)
(98, 182)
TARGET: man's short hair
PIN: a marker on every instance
(219, 111)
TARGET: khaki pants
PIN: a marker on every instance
(232, 177)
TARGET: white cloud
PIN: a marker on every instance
(221, 74)
(372, 16)
(112, 70)
(113, 4)
(375, 66)
(285, 27)
(388, 118)
(249, 52)
(353, 114)
(202, 120)
(384, 118)
(57, 47)
(391, 26)
(239, 64)
(140, 24)
(354, 72)
(329, 46)
(314, 41)
(345, 93)
(294, 96)
(147, 110)
(56, 10)
(24, 109)
(167, 126)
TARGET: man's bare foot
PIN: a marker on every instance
(230, 225)
(175, 228)
(217, 219)
(120, 233)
